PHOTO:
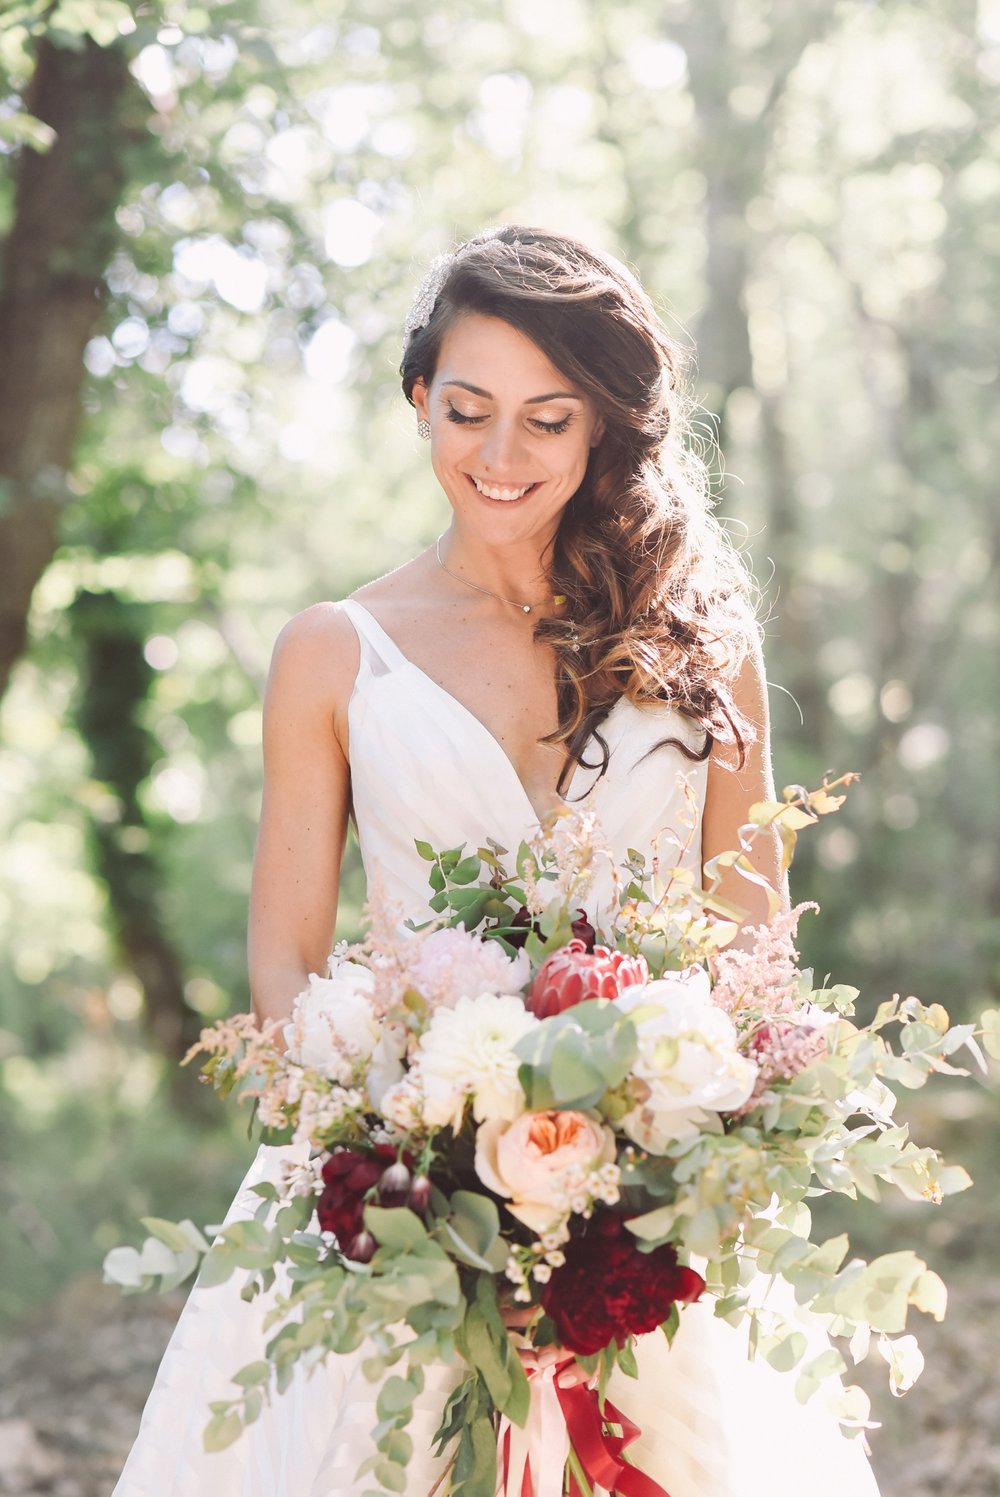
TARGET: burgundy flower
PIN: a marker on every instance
(349, 1180)
(607, 1290)
(394, 1186)
(583, 930)
(420, 1194)
(523, 923)
(572, 974)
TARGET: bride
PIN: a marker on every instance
(580, 628)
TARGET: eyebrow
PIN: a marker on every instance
(534, 400)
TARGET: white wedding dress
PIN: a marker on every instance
(714, 1424)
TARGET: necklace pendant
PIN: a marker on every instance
(525, 607)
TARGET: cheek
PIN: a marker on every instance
(580, 458)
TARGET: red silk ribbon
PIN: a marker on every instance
(600, 1453)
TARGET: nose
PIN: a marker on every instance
(501, 448)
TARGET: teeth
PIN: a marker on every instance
(505, 495)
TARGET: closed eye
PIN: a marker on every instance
(553, 427)
(453, 415)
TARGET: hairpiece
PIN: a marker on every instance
(433, 282)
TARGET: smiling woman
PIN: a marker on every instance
(579, 631)
(572, 413)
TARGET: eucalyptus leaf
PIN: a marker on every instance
(396, 1227)
(222, 1431)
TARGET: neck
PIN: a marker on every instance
(514, 572)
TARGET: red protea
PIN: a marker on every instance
(572, 974)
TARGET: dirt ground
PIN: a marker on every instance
(73, 1382)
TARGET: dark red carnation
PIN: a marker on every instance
(523, 923)
(608, 1290)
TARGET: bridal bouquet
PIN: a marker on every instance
(515, 1141)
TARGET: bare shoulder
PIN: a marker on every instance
(316, 658)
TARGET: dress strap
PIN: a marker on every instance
(378, 651)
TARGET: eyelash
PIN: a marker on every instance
(552, 427)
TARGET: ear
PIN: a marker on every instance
(420, 395)
(597, 434)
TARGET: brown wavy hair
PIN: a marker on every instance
(657, 599)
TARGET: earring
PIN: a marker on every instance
(424, 430)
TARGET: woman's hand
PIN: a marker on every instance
(536, 1359)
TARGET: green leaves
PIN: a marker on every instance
(23, 129)
(397, 1229)
(169, 1255)
(455, 886)
(488, 1350)
(332, 1309)
(475, 1473)
(571, 1060)
(223, 1429)
(496, 1380)
(471, 1232)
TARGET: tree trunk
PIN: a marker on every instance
(109, 709)
(733, 155)
(51, 296)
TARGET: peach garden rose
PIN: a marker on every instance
(527, 1161)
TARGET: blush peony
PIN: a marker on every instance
(453, 963)
(527, 1161)
(608, 1290)
(573, 974)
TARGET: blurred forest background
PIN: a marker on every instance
(212, 220)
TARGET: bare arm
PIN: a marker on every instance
(732, 791)
(300, 843)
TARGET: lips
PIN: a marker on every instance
(503, 493)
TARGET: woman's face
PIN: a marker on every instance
(510, 436)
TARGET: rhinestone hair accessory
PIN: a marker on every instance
(433, 282)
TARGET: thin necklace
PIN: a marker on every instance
(522, 607)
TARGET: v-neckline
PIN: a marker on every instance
(467, 712)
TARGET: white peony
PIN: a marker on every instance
(688, 1058)
(453, 963)
(334, 1029)
(468, 1052)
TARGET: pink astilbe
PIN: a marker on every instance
(240, 1047)
(287, 1093)
(241, 1039)
(388, 950)
(765, 978)
(781, 1048)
